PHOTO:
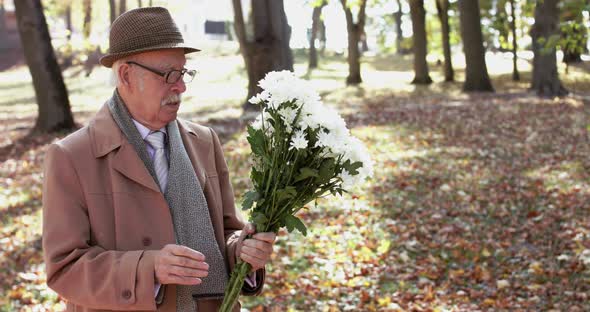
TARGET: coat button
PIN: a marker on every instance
(126, 294)
(146, 241)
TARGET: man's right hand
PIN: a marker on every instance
(175, 264)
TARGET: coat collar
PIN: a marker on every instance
(106, 137)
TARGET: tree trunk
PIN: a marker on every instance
(364, 45)
(398, 28)
(476, 72)
(313, 54)
(354, 37)
(139, 4)
(68, 19)
(269, 50)
(50, 90)
(571, 57)
(151, 3)
(87, 18)
(322, 37)
(419, 37)
(442, 7)
(113, 8)
(122, 7)
(515, 74)
(2, 19)
(545, 77)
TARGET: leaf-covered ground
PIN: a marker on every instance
(480, 202)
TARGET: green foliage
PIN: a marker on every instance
(257, 142)
(574, 36)
(249, 198)
(293, 222)
(305, 173)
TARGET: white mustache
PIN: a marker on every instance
(174, 98)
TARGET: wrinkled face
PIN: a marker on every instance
(150, 100)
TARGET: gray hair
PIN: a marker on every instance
(114, 80)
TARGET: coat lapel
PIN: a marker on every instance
(106, 137)
(196, 154)
(127, 162)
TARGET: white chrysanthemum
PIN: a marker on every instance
(334, 143)
(355, 152)
(257, 124)
(282, 90)
(284, 86)
(288, 115)
(298, 141)
(348, 181)
(323, 139)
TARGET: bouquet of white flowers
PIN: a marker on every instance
(301, 150)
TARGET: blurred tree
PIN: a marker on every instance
(87, 18)
(113, 10)
(420, 45)
(66, 55)
(322, 36)
(545, 35)
(442, 8)
(50, 90)
(122, 7)
(397, 15)
(2, 19)
(267, 49)
(364, 44)
(139, 4)
(574, 33)
(355, 30)
(315, 25)
(476, 72)
(68, 19)
(515, 74)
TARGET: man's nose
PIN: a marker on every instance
(179, 86)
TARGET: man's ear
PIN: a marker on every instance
(123, 73)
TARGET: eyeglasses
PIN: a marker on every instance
(172, 76)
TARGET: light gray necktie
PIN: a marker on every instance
(157, 140)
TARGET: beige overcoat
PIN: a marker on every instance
(104, 215)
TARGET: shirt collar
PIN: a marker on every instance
(145, 131)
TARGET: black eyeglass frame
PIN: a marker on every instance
(191, 73)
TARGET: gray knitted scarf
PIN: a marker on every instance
(188, 206)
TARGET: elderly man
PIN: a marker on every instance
(138, 210)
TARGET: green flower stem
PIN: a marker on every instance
(236, 281)
(234, 287)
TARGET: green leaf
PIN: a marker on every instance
(259, 219)
(352, 167)
(249, 198)
(286, 193)
(256, 140)
(327, 169)
(293, 222)
(305, 173)
(256, 176)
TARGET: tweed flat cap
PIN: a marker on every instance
(142, 30)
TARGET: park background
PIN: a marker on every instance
(481, 194)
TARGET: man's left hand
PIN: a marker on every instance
(256, 250)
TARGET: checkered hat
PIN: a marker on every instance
(142, 30)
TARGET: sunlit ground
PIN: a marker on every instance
(479, 201)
